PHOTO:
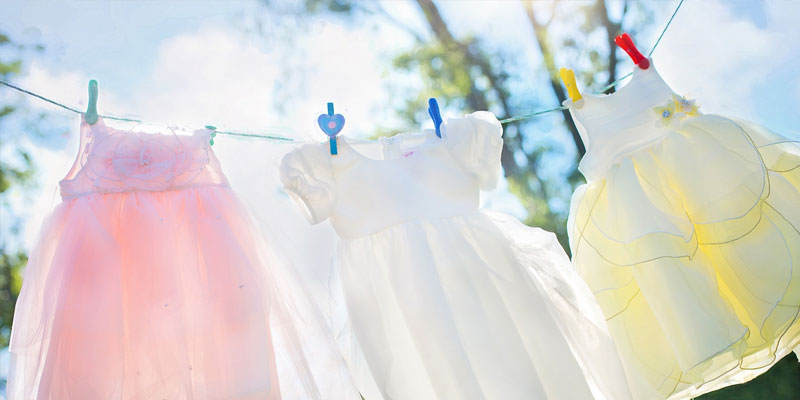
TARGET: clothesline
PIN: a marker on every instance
(72, 109)
(284, 139)
(64, 106)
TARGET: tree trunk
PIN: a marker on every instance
(540, 32)
(612, 31)
(478, 100)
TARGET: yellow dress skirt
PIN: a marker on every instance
(691, 246)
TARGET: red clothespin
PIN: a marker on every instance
(625, 42)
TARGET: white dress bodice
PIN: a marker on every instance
(420, 176)
(617, 124)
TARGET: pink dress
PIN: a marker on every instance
(148, 282)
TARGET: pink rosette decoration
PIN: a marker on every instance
(140, 161)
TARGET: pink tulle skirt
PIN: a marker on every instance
(145, 295)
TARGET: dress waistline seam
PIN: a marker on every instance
(170, 189)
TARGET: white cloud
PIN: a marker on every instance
(208, 77)
(215, 76)
(723, 59)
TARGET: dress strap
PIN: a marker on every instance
(86, 136)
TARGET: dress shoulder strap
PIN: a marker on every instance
(87, 133)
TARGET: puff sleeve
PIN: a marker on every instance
(476, 141)
(307, 177)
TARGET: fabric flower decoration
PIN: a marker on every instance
(146, 159)
(675, 109)
(142, 161)
(685, 106)
(667, 116)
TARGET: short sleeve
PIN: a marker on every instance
(476, 141)
(307, 178)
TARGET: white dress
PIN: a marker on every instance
(448, 301)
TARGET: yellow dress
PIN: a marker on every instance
(688, 234)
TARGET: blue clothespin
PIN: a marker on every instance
(331, 124)
(433, 111)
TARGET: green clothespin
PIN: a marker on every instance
(91, 111)
(213, 130)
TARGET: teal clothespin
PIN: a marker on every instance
(91, 116)
(331, 124)
(213, 130)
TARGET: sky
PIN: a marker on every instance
(199, 63)
(241, 66)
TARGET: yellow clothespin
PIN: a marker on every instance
(568, 76)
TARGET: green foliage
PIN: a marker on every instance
(443, 75)
(11, 264)
(11, 174)
(10, 67)
(16, 172)
(781, 382)
(337, 6)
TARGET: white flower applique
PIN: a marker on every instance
(674, 110)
